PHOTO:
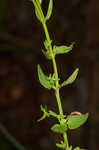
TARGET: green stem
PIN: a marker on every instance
(57, 82)
(11, 138)
(66, 140)
(57, 93)
(55, 70)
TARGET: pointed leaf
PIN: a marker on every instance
(49, 11)
(75, 121)
(37, 13)
(45, 113)
(59, 128)
(43, 79)
(38, 10)
(71, 79)
(42, 118)
(62, 49)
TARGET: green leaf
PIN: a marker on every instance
(47, 54)
(47, 44)
(49, 11)
(44, 79)
(59, 128)
(71, 79)
(37, 13)
(62, 49)
(53, 114)
(38, 10)
(62, 145)
(75, 121)
(45, 113)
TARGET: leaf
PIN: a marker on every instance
(45, 113)
(42, 118)
(38, 10)
(62, 145)
(71, 79)
(47, 54)
(49, 11)
(62, 49)
(51, 113)
(37, 13)
(43, 79)
(59, 128)
(75, 121)
(47, 44)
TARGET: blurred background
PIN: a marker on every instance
(21, 41)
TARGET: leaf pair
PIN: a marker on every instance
(73, 122)
(39, 12)
(49, 82)
(56, 49)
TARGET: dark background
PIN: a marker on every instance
(21, 41)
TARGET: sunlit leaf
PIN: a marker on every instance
(75, 121)
(71, 79)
